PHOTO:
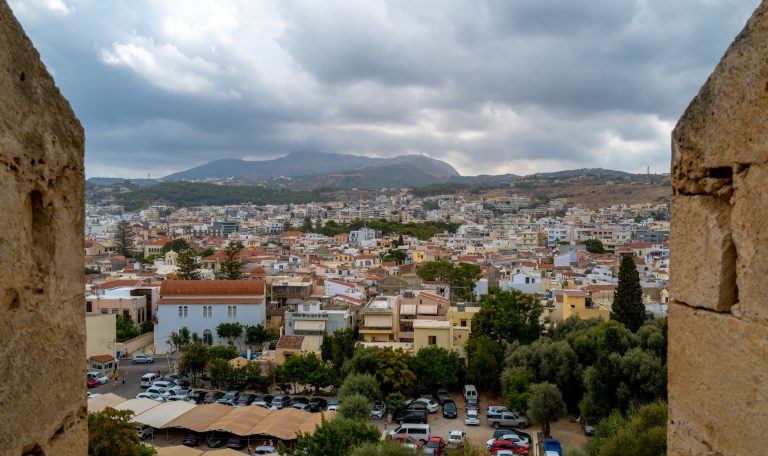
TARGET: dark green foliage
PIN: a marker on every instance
(92, 271)
(460, 277)
(383, 448)
(229, 331)
(423, 230)
(395, 403)
(177, 245)
(643, 433)
(602, 339)
(360, 384)
(124, 238)
(436, 367)
(355, 407)
(146, 327)
(446, 188)
(396, 255)
(509, 316)
(112, 433)
(125, 328)
(553, 362)
(336, 437)
(572, 324)
(232, 264)
(363, 361)
(516, 387)
(628, 307)
(484, 357)
(223, 352)
(194, 359)
(594, 246)
(393, 370)
(545, 405)
(255, 336)
(339, 347)
(188, 267)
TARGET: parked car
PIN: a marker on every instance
(552, 448)
(431, 405)
(503, 431)
(144, 431)
(212, 396)
(91, 382)
(177, 394)
(423, 391)
(473, 403)
(472, 418)
(436, 446)
(101, 378)
(508, 445)
(301, 400)
(509, 419)
(154, 396)
(379, 410)
(236, 443)
(282, 401)
(142, 359)
(148, 379)
(245, 399)
(231, 396)
(265, 398)
(196, 396)
(588, 428)
(457, 437)
(300, 406)
(192, 440)
(411, 416)
(333, 405)
(442, 396)
(217, 440)
(317, 404)
(156, 390)
(495, 410)
(264, 449)
(407, 441)
(91, 395)
(449, 410)
(512, 436)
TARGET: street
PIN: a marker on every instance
(132, 374)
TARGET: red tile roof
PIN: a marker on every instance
(211, 287)
(290, 342)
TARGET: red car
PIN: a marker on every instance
(436, 445)
(92, 382)
(509, 446)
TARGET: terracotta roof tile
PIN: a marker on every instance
(211, 287)
(290, 342)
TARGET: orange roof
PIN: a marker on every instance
(254, 300)
(102, 358)
(292, 342)
(211, 287)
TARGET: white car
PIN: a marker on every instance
(522, 441)
(473, 418)
(432, 406)
(153, 396)
(178, 395)
(457, 437)
(101, 378)
(92, 395)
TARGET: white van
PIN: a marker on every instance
(470, 392)
(415, 430)
(148, 379)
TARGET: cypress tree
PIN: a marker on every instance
(124, 238)
(188, 268)
(628, 307)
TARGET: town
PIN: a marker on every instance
(479, 306)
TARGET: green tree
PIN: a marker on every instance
(436, 367)
(187, 266)
(112, 433)
(360, 384)
(293, 371)
(439, 270)
(232, 264)
(383, 448)
(125, 329)
(395, 403)
(594, 246)
(224, 352)
(355, 407)
(393, 371)
(509, 316)
(516, 387)
(545, 405)
(363, 361)
(335, 437)
(194, 359)
(339, 347)
(219, 371)
(255, 336)
(628, 307)
(462, 281)
(229, 331)
(176, 245)
(484, 357)
(307, 225)
(396, 255)
(147, 327)
(124, 238)
(643, 433)
(89, 270)
(179, 340)
(553, 362)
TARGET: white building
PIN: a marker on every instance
(201, 305)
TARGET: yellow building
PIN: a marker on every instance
(575, 303)
(380, 319)
(451, 334)
(419, 256)
(100, 334)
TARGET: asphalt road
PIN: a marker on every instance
(132, 374)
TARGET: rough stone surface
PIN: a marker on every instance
(726, 123)
(718, 397)
(750, 235)
(42, 392)
(711, 259)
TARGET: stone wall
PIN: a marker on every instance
(718, 319)
(42, 324)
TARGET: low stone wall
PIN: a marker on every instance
(141, 344)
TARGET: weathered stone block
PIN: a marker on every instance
(718, 387)
(42, 321)
(725, 123)
(703, 258)
(750, 235)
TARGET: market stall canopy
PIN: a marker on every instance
(137, 406)
(99, 403)
(159, 416)
(200, 418)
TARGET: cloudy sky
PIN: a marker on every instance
(518, 86)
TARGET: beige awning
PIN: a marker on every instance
(137, 406)
(408, 309)
(200, 418)
(309, 325)
(178, 450)
(240, 420)
(378, 321)
(427, 309)
(99, 403)
(159, 416)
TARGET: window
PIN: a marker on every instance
(181, 311)
(432, 340)
(115, 311)
(234, 311)
(207, 311)
(104, 311)
(208, 336)
(88, 306)
(463, 323)
(229, 311)
(186, 311)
